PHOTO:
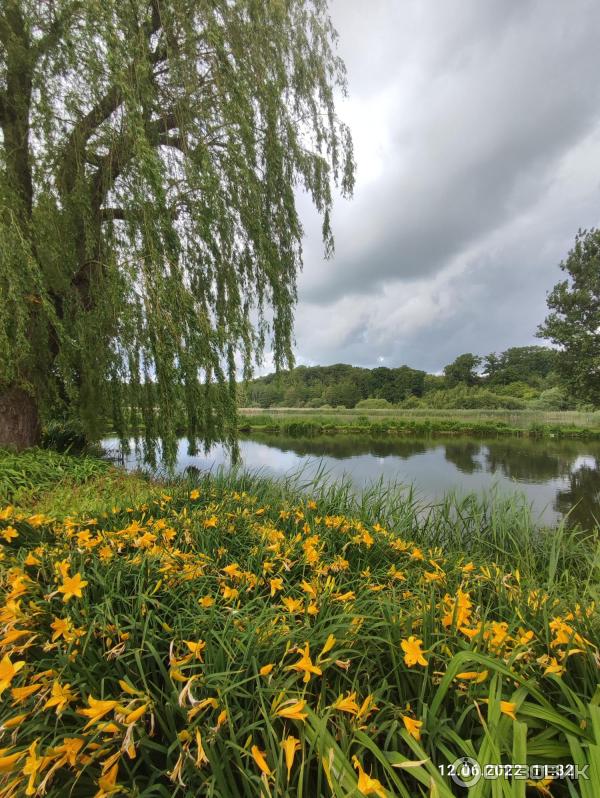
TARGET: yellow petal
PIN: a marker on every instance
(259, 758)
(136, 714)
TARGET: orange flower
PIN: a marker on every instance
(259, 758)
(290, 745)
(413, 654)
(292, 710)
(347, 704)
(8, 671)
(305, 664)
(72, 586)
(367, 785)
(60, 698)
(266, 669)
(413, 726)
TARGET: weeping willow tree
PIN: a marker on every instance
(151, 153)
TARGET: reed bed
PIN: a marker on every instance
(478, 424)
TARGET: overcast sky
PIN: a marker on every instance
(477, 133)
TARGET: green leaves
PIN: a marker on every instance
(159, 249)
(574, 319)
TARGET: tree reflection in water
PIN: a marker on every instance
(582, 499)
(521, 460)
(556, 477)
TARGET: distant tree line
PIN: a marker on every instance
(520, 377)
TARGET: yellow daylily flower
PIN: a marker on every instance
(61, 696)
(413, 726)
(10, 533)
(306, 665)
(290, 745)
(292, 710)
(22, 693)
(15, 721)
(366, 784)
(413, 653)
(196, 648)
(329, 644)
(8, 671)
(72, 587)
(135, 714)
(508, 708)
(473, 676)
(97, 709)
(259, 758)
(346, 704)
(8, 761)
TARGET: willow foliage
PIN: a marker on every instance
(150, 156)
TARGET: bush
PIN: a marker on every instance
(552, 399)
(463, 398)
(411, 402)
(373, 404)
(64, 436)
(36, 470)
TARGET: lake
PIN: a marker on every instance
(557, 477)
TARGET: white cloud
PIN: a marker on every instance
(477, 132)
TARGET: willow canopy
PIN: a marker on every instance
(150, 158)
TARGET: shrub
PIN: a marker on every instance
(552, 399)
(373, 404)
(64, 436)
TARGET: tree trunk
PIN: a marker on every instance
(19, 420)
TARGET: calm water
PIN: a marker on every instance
(557, 477)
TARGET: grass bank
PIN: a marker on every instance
(408, 422)
(238, 637)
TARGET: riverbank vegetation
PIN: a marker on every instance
(293, 421)
(240, 637)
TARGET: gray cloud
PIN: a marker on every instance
(476, 125)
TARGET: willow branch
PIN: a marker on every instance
(112, 214)
(74, 152)
(56, 30)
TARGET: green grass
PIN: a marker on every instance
(455, 422)
(36, 471)
(517, 418)
(149, 552)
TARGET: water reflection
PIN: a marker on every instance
(465, 455)
(558, 477)
(582, 498)
(530, 460)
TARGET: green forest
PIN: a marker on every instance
(516, 379)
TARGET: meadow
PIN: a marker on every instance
(236, 636)
(522, 423)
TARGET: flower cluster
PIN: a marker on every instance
(151, 644)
